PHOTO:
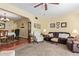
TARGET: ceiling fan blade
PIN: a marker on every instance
(45, 6)
(38, 5)
(55, 3)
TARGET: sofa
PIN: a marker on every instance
(61, 36)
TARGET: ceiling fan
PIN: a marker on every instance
(45, 5)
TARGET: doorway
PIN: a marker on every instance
(29, 32)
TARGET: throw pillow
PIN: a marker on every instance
(50, 35)
(63, 35)
(54, 39)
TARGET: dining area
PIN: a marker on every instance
(10, 40)
(7, 39)
(12, 34)
(13, 30)
(6, 36)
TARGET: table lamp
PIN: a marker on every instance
(74, 33)
(44, 31)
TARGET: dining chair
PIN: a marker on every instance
(3, 35)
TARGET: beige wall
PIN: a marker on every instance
(21, 12)
(74, 22)
(38, 22)
(71, 19)
(10, 25)
(54, 20)
(23, 31)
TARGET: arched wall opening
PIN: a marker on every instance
(23, 24)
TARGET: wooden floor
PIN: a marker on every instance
(13, 45)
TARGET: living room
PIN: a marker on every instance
(66, 21)
(62, 23)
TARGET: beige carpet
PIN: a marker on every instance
(44, 49)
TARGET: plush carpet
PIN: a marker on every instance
(44, 49)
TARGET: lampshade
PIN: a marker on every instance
(74, 33)
(44, 30)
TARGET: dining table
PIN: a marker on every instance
(11, 34)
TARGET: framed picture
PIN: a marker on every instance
(57, 25)
(38, 26)
(22, 25)
(2, 26)
(52, 25)
(63, 24)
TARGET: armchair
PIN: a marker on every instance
(37, 36)
(3, 35)
(73, 44)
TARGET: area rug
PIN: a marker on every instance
(13, 45)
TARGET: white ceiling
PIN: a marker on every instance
(53, 10)
(9, 15)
